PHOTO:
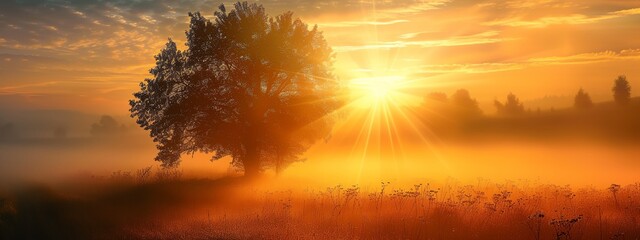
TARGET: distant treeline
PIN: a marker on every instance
(460, 116)
(106, 126)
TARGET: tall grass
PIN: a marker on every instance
(424, 211)
(140, 206)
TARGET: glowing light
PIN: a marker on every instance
(370, 91)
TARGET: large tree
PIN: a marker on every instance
(621, 90)
(250, 86)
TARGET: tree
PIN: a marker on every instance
(464, 104)
(621, 90)
(107, 126)
(512, 106)
(256, 88)
(582, 100)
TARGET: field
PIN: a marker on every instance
(148, 204)
(354, 119)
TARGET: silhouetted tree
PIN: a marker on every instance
(106, 126)
(464, 104)
(582, 100)
(249, 86)
(511, 107)
(621, 90)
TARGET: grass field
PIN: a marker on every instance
(163, 205)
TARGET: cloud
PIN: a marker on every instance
(592, 57)
(417, 7)
(581, 58)
(475, 39)
(524, 4)
(412, 34)
(104, 47)
(567, 19)
(469, 68)
(360, 23)
(25, 89)
(91, 30)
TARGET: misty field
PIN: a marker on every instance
(148, 204)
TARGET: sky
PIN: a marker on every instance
(90, 56)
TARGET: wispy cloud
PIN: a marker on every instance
(581, 58)
(361, 23)
(567, 19)
(469, 68)
(475, 39)
(412, 34)
(528, 4)
(592, 57)
(104, 47)
(25, 88)
(417, 7)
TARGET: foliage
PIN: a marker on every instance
(464, 104)
(621, 90)
(106, 126)
(249, 86)
(512, 106)
(582, 100)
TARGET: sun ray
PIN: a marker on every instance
(431, 147)
(367, 141)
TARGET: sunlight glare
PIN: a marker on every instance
(370, 91)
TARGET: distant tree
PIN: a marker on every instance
(582, 100)
(249, 86)
(437, 96)
(106, 126)
(512, 106)
(621, 90)
(464, 104)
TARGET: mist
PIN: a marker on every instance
(564, 146)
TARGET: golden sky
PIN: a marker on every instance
(90, 55)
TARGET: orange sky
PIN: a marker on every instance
(90, 56)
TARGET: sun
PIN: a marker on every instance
(370, 91)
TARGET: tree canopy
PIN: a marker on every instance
(106, 126)
(582, 100)
(464, 105)
(512, 106)
(250, 86)
(621, 90)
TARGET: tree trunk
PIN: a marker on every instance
(251, 162)
(278, 161)
(278, 165)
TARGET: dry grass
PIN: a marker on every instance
(141, 206)
(422, 211)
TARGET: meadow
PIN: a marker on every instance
(163, 204)
(71, 188)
